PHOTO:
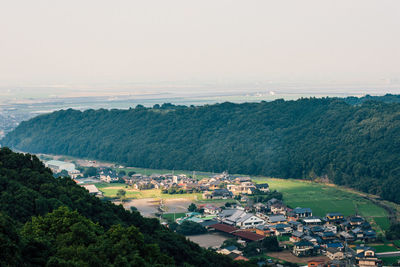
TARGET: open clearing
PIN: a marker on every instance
(110, 190)
(148, 207)
(208, 240)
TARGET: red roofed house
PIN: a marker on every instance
(248, 235)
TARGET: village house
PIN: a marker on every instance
(242, 219)
(263, 230)
(356, 221)
(331, 228)
(263, 187)
(218, 194)
(366, 257)
(278, 208)
(276, 219)
(281, 229)
(260, 207)
(316, 263)
(312, 221)
(296, 236)
(345, 236)
(303, 249)
(210, 209)
(300, 213)
(229, 250)
(92, 190)
(335, 254)
(334, 217)
(247, 188)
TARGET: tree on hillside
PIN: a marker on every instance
(190, 228)
(121, 194)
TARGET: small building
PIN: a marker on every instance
(260, 207)
(218, 194)
(249, 236)
(356, 221)
(276, 219)
(223, 228)
(303, 249)
(312, 221)
(263, 187)
(210, 209)
(366, 257)
(242, 219)
(278, 208)
(92, 189)
(316, 263)
(296, 236)
(369, 236)
(281, 229)
(335, 254)
(263, 230)
(334, 217)
(302, 212)
(346, 236)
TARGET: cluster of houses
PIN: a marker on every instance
(305, 234)
(221, 186)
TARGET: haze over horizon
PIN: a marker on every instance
(61, 48)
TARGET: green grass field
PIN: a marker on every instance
(171, 217)
(323, 199)
(382, 222)
(384, 248)
(390, 260)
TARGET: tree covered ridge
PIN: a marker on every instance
(354, 145)
(46, 221)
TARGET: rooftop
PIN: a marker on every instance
(248, 235)
(223, 228)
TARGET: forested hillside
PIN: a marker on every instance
(46, 221)
(355, 145)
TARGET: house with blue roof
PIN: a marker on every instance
(302, 212)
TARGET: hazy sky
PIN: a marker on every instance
(75, 42)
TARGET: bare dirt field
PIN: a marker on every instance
(146, 206)
(208, 240)
(288, 256)
(177, 204)
(149, 206)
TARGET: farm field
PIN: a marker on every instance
(110, 190)
(323, 199)
(382, 222)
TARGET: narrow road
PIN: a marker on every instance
(388, 254)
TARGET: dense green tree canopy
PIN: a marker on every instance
(356, 145)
